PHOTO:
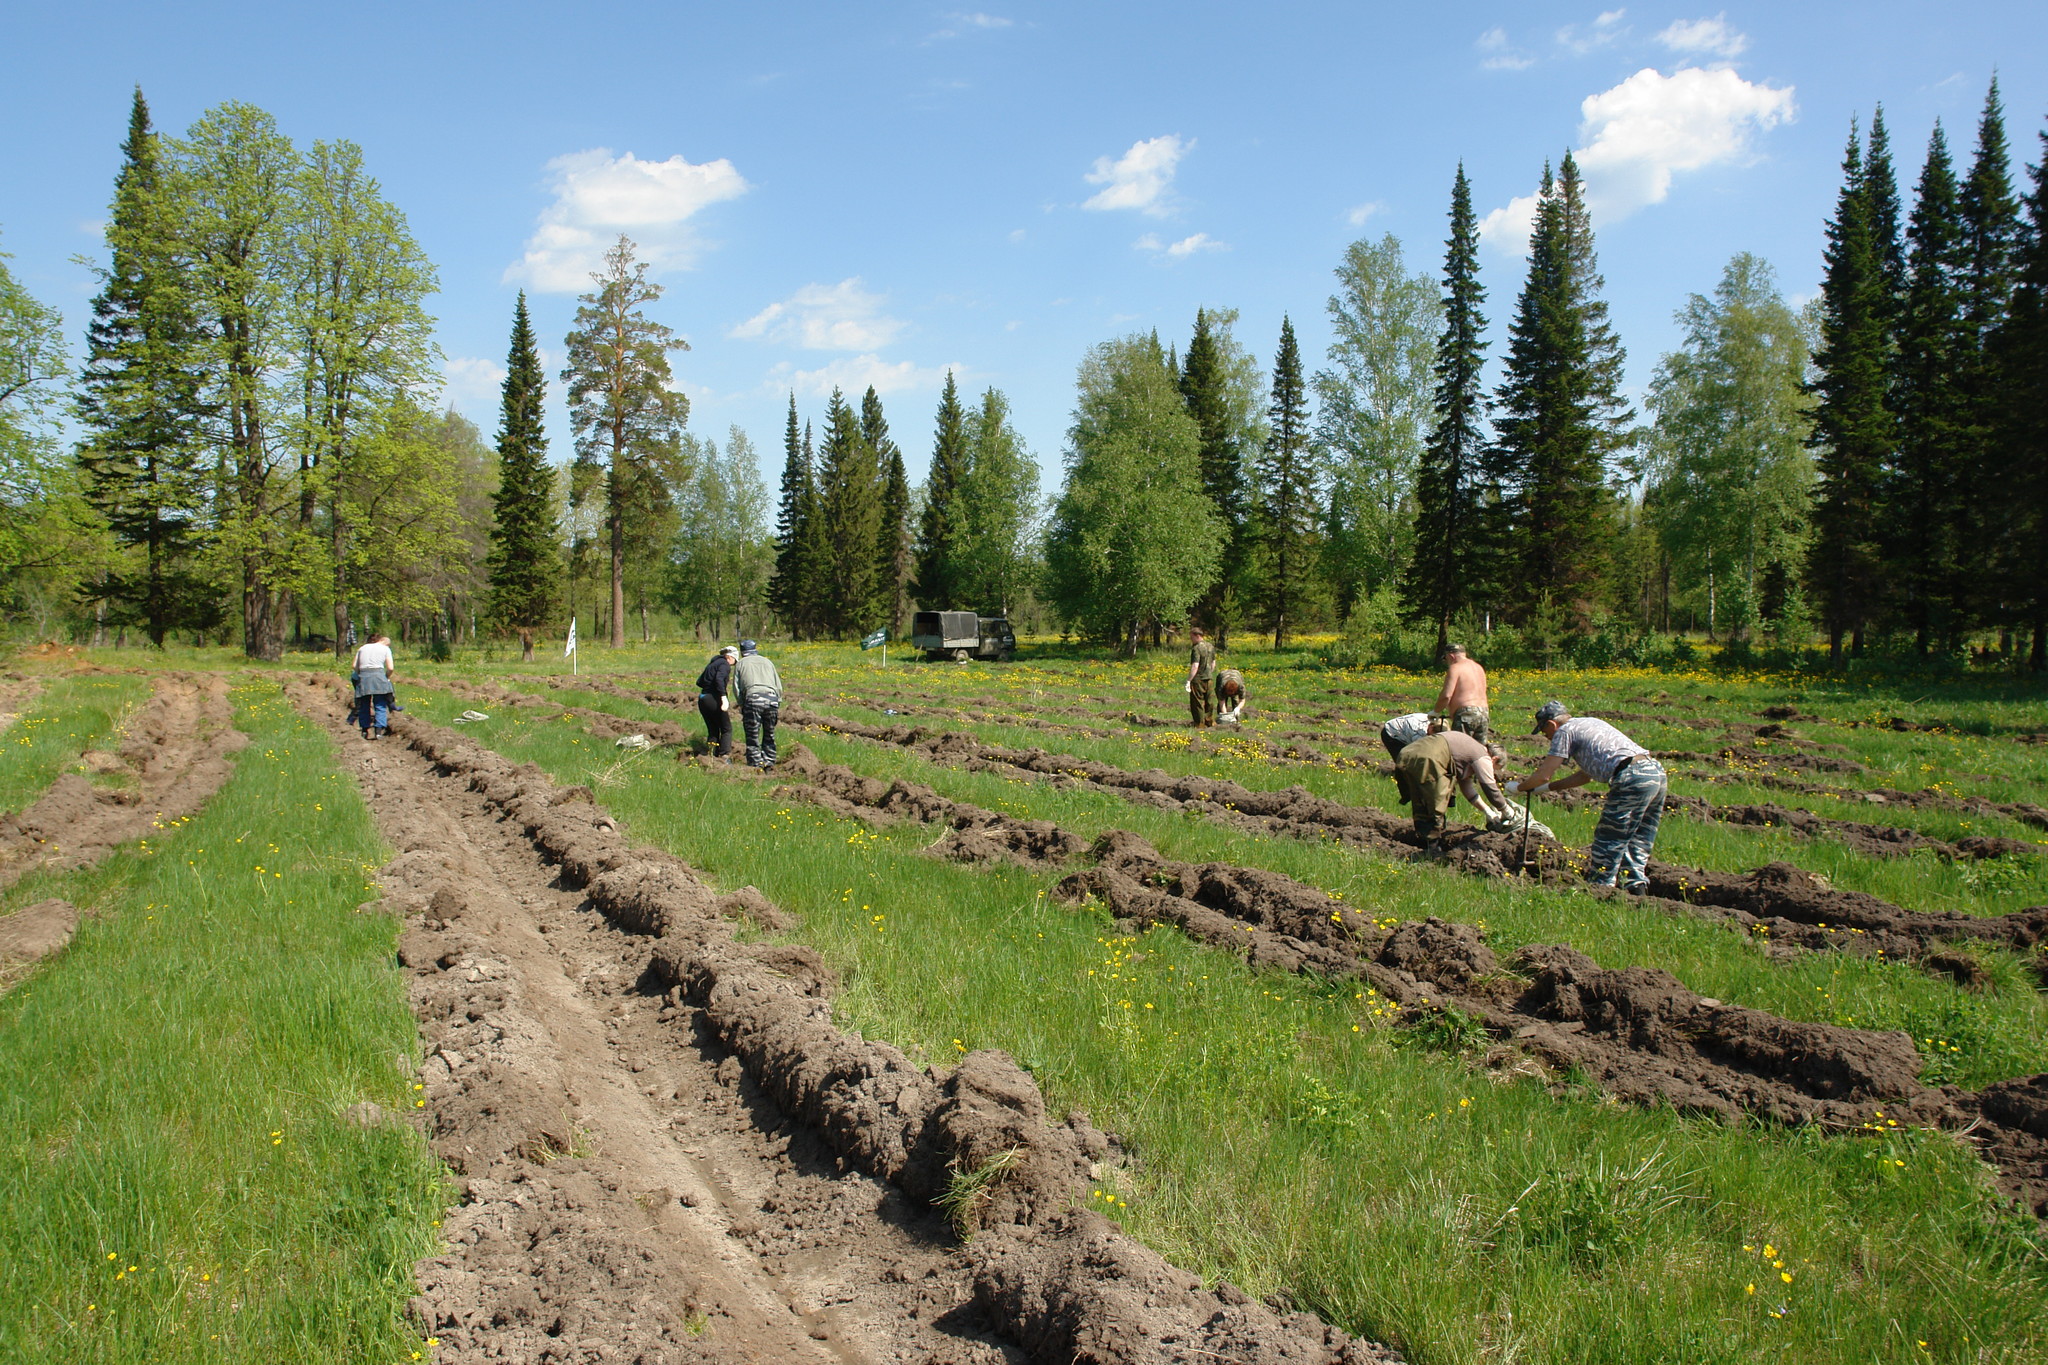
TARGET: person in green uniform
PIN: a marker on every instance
(1201, 681)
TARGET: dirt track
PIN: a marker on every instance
(670, 1153)
(173, 756)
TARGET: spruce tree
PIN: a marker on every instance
(2022, 353)
(1204, 384)
(1852, 418)
(524, 565)
(1922, 497)
(141, 405)
(850, 506)
(1562, 414)
(1287, 492)
(1991, 232)
(1451, 550)
(792, 590)
(892, 541)
(934, 587)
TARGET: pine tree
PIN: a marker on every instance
(934, 587)
(1922, 496)
(1204, 384)
(1451, 551)
(1852, 419)
(1287, 493)
(793, 590)
(628, 421)
(892, 541)
(1563, 416)
(1991, 232)
(850, 506)
(524, 565)
(142, 407)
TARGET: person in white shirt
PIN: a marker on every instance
(374, 671)
(1636, 789)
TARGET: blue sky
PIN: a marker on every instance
(872, 193)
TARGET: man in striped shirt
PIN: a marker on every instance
(1636, 788)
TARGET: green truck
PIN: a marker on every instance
(962, 635)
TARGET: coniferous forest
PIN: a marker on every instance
(247, 446)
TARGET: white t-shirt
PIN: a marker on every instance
(374, 656)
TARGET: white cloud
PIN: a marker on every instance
(1605, 30)
(1141, 178)
(1018, 234)
(1357, 215)
(472, 385)
(1182, 249)
(825, 317)
(853, 375)
(598, 196)
(1714, 37)
(957, 24)
(1499, 54)
(1636, 136)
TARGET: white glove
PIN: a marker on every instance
(1515, 788)
(1188, 686)
(725, 703)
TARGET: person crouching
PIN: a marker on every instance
(1432, 768)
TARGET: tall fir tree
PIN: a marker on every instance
(1452, 555)
(141, 405)
(934, 587)
(524, 564)
(1922, 498)
(850, 508)
(1562, 414)
(1204, 384)
(1852, 417)
(1991, 234)
(892, 540)
(793, 590)
(1287, 494)
(2022, 354)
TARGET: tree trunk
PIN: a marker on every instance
(2037, 657)
(645, 638)
(526, 644)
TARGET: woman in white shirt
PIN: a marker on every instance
(373, 675)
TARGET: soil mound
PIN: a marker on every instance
(33, 933)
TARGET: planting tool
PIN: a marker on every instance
(1522, 859)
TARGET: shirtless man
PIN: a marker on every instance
(1462, 701)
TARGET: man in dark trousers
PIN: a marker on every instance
(1201, 681)
(713, 704)
(760, 690)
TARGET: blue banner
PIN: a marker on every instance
(880, 637)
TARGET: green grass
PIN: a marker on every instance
(176, 1181)
(74, 713)
(1286, 1138)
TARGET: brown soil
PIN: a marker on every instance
(671, 1153)
(174, 749)
(33, 933)
(2025, 812)
(18, 692)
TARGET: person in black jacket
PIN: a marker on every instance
(713, 704)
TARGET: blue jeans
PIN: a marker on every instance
(1628, 824)
(374, 710)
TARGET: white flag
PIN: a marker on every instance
(570, 648)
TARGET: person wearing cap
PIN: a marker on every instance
(760, 691)
(1432, 767)
(1462, 699)
(1230, 695)
(713, 705)
(1636, 788)
(1201, 681)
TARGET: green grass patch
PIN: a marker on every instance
(1287, 1137)
(74, 713)
(176, 1180)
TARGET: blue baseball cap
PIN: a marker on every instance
(1550, 710)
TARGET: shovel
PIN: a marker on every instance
(1522, 859)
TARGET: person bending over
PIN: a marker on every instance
(1432, 767)
(1230, 696)
(760, 689)
(1636, 787)
(713, 705)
